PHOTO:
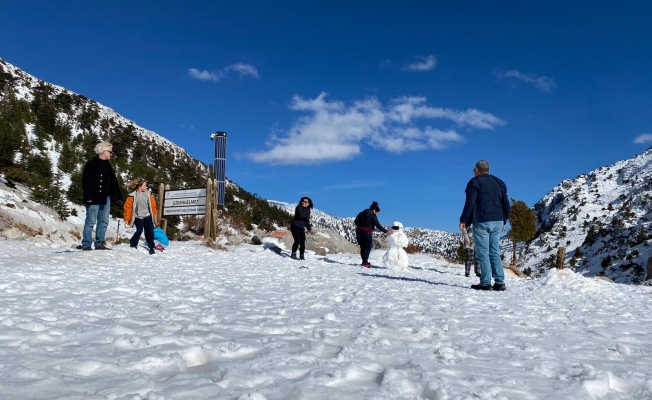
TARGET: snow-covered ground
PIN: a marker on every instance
(247, 323)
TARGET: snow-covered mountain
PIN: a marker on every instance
(429, 241)
(602, 219)
(79, 117)
(86, 121)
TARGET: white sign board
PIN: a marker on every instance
(176, 194)
(185, 202)
(198, 210)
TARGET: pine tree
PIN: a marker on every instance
(75, 190)
(461, 254)
(523, 222)
(641, 236)
(606, 262)
(14, 114)
(57, 194)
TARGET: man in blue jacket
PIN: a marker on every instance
(486, 198)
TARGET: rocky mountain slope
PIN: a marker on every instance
(602, 219)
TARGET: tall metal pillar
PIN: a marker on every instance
(220, 166)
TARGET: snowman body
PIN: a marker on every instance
(396, 258)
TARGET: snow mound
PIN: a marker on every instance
(566, 278)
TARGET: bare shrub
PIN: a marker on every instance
(29, 231)
(413, 249)
(213, 245)
(194, 224)
(234, 221)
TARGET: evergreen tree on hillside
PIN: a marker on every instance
(67, 158)
(88, 116)
(523, 222)
(88, 142)
(14, 114)
(57, 196)
(461, 253)
(62, 133)
(75, 191)
(39, 169)
(641, 236)
(64, 102)
(45, 112)
(7, 82)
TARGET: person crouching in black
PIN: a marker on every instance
(300, 222)
(365, 223)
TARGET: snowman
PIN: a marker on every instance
(396, 258)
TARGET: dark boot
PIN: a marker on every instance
(301, 257)
(294, 256)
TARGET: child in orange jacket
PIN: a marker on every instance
(140, 210)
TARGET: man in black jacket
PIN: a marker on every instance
(100, 189)
(486, 198)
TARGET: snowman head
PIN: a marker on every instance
(397, 226)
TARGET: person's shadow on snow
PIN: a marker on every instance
(403, 278)
(328, 260)
(275, 249)
(429, 269)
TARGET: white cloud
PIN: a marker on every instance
(541, 82)
(424, 63)
(335, 131)
(400, 140)
(407, 108)
(355, 185)
(643, 138)
(205, 75)
(241, 69)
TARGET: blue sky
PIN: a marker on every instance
(349, 102)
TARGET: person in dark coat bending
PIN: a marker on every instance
(365, 223)
(300, 222)
(101, 188)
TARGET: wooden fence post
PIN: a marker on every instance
(164, 222)
(214, 211)
(161, 200)
(209, 209)
(561, 257)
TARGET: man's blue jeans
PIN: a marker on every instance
(96, 215)
(487, 251)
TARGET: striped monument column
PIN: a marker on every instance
(220, 167)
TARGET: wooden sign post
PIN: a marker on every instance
(163, 223)
(209, 207)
